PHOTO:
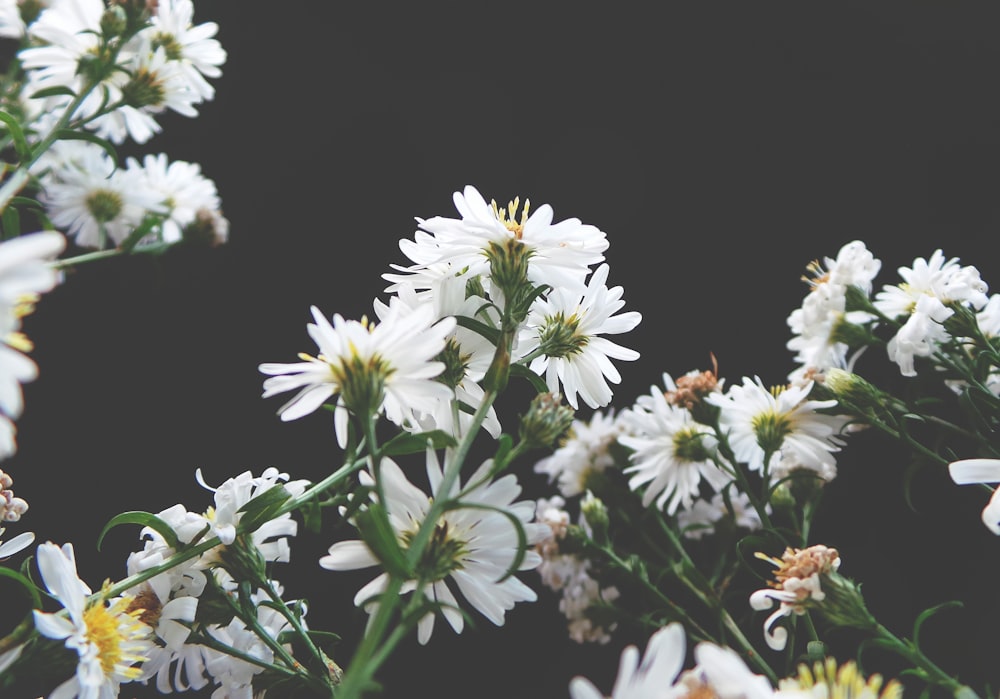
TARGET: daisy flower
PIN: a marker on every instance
(721, 673)
(557, 254)
(585, 450)
(652, 676)
(467, 355)
(110, 640)
(798, 579)
(182, 189)
(700, 519)
(969, 471)
(11, 22)
(563, 338)
(471, 550)
(828, 680)
(193, 46)
(781, 424)
(672, 453)
(94, 202)
(388, 367)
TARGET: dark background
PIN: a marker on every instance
(721, 146)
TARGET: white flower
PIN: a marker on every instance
(94, 202)
(66, 31)
(560, 254)
(940, 278)
(11, 22)
(467, 354)
(585, 450)
(182, 189)
(110, 641)
(565, 330)
(672, 453)
(967, 471)
(783, 423)
(700, 518)
(650, 678)
(798, 581)
(387, 367)
(827, 680)
(193, 47)
(721, 673)
(472, 548)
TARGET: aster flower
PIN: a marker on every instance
(721, 673)
(93, 201)
(652, 676)
(798, 582)
(11, 21)
(193, 46)
(672, 453)
(110, 640)
(387, 367)
(585, 450)
(700, 519)
(828, 680)
(563, 339)
(182, 189)
(781, 423)
(472, 548)
(557, 254)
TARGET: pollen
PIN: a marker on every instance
(509, 217)
(797, 566)
(113, 631)
(843, 682)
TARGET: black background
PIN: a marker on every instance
(721, 146)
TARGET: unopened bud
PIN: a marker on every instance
(546, 421)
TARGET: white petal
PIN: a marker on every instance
(348, 555)
(991, 513)
(968, 471)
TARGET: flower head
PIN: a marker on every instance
(585, 451)
(387, 367)
(565, 330)
(110, 640)
(472, 548)
(826, 680)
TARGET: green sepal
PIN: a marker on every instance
(145, 519)
(17, 135)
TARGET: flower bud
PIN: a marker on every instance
(595, 514)
(546, 421)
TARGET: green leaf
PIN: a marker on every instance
(57, 91)
(534, 379)
(488, 331)
(30, 588)
(312, 516)
(263, 507)
(927, 614)
(10, 220)
(406, 443)
(71, 135)
(373, 525)
(17, 135)
(522, 538)
(144, 519)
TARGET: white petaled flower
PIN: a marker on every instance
(721, 673)
(672, 453)
(798, 582)
(94, 202)
(11, 22)
(585, 450)
(25, 273)
(63, 34)
(559, 254)
(782, 423)
(647, 678)
(828, 680)
(972, 471)
(389, 367)
(472, 548)
(110, 640)
(565, 330)
(921, 334)
(700, 519)
(467, 355)
(183, 190)
(193, 46)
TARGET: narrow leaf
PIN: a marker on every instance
(144, 519)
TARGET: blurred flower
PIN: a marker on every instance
(826, 680)
(966, 471)
(585, 450)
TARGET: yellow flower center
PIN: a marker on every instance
(106, 631)
(843, 682)
(507, 218)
